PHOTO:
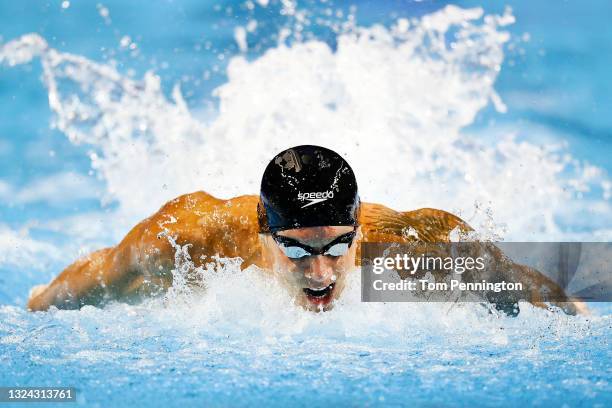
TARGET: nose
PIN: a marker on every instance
(320, 271)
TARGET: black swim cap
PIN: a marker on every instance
(307, 186)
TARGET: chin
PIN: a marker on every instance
(317, 308)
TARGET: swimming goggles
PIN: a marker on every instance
(294, 249)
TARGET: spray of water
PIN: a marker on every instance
(393, 100)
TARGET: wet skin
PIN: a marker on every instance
(313, 281)
(140, 265)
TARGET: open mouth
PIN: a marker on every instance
(320, 296)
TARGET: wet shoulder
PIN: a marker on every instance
(382, 224)
(201, 209)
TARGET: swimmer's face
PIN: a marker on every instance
(315, 281)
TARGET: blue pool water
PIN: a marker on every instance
(109, 109)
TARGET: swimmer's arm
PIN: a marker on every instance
(437, 226)
(141, 264)
(568, 304)
(78, 284)
(538, 289)
(381, 224)
(106, 274)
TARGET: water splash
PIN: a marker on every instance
(392, 100)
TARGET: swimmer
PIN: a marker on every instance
(304, 230)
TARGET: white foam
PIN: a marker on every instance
(392, 100)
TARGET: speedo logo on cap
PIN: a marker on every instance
(315, 197)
